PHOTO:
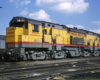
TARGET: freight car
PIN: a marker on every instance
(32, 39)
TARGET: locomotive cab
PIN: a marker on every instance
(23, 34)
(18, 22)
(14, 33)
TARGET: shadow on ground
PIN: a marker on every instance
(88, 76)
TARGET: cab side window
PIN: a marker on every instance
(35, 28)
(44, 31)
(43, 25)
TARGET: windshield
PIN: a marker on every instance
(17, 24)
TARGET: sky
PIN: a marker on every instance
(83, 14)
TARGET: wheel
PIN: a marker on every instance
(86, 54)
(33, 56)
(65, 56)
(96, 53)
(46, 57)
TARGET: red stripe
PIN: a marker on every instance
(48, 44)
(91, 46)
(72, 45)
(28, 43)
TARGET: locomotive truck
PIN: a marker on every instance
(33, 39)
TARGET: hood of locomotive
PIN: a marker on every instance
(12, 36)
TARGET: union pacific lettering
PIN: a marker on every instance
(80, 34)
(76, 34)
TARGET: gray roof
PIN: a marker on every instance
(2, 37)
(57, 26)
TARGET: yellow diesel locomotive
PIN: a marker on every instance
(32, 39)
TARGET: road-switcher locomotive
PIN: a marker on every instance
(32, 39)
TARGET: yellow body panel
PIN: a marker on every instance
(48, 30)
(18, 31)
(90, 38)
(25, 31)
(34, 36)
(10, 34)
(59, 40)
(47, 38)
(55, 32)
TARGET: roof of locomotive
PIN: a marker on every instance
(33, 20)
(26, 20)
(84, 31)
(58, 26)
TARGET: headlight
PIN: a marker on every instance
(26, 52)
(9, 53)
(66, 51)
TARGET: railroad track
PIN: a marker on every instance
(43, 65)
(13, 65)
(43, 72)
(55, 74)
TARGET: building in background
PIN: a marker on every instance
(2, 41)
(2, 46)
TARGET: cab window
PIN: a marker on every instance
(44, 31)
(35, 28)
(17, 24)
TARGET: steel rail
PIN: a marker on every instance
(52, 75)
(45, 70)
(33, 66)
(48, 66)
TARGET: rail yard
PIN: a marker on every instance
(52, 69)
